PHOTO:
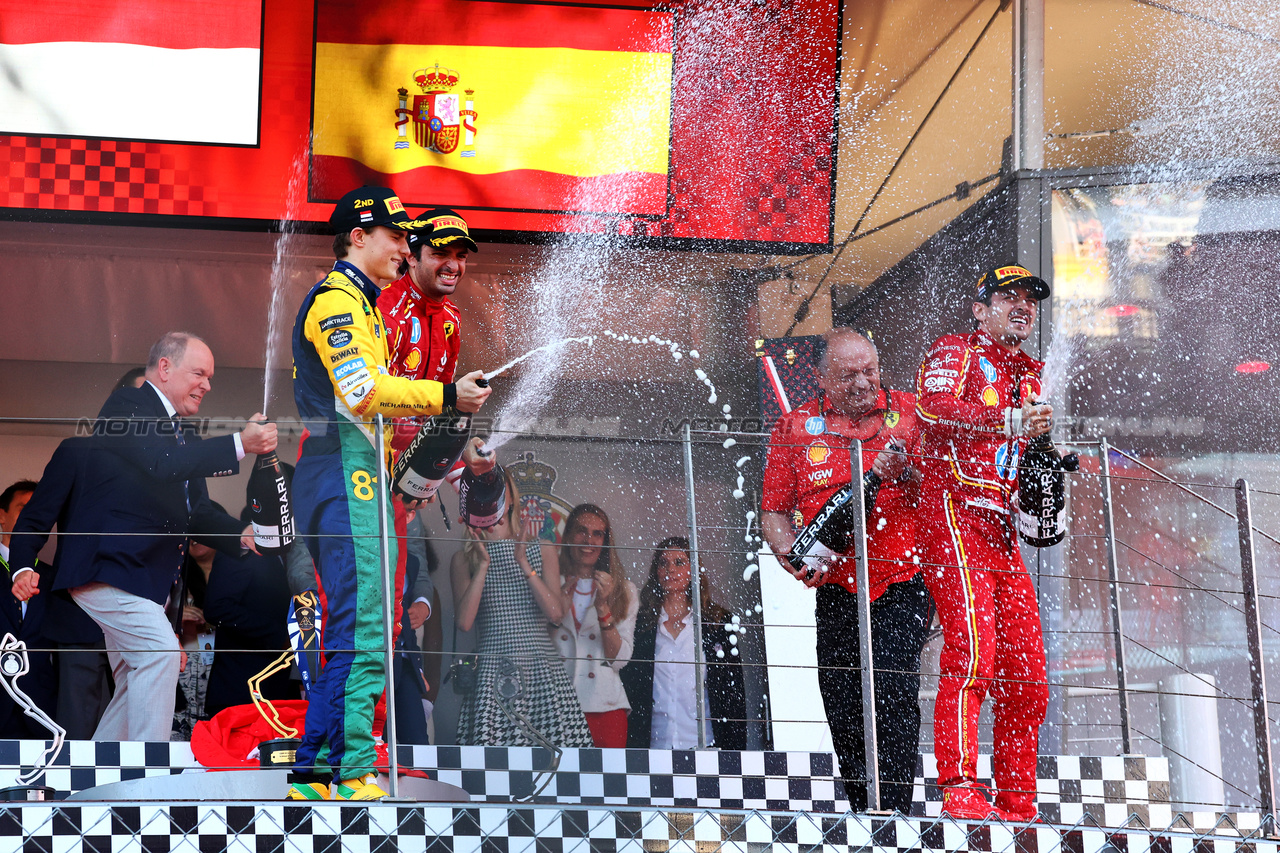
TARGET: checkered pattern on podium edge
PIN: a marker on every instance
(354, 828)
(1108, 789)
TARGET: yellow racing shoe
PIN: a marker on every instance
(307, 786)
(360, 788)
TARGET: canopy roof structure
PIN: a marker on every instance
(926, 111)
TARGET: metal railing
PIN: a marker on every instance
(724, 542)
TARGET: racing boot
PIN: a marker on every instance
(308, 786)
(1016, 807)
(966, 801)
(360, 788)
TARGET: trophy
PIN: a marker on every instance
(304, 642)
(14, 664)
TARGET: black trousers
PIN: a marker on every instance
(85, 687)
(898, 630)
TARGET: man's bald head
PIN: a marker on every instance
(843, 337)
(849, 371)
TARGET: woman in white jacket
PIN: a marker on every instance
(597, 632)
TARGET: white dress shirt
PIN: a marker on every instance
(4, 555)
(675, 713)
(168, 407)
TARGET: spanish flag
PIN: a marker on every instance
(496, 105)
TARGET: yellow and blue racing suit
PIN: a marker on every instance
(340, 384)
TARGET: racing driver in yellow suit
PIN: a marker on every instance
(340, 383)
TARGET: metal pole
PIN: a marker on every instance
(871, 748)
(1028, 84)
(695, 571)
(388, 607)
(1253, 631)
(1113, 575)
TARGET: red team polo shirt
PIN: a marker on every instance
(809, 462)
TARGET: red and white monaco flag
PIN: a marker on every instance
(173, 70)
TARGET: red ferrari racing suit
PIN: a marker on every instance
(809, 462)
(969, 391)
(423, 338)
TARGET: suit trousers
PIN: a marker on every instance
(145, 660)
(898, 629)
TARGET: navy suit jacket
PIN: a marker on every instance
(41, 681)
(123, 496)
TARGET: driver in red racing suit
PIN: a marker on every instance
(424, 334)
(977, 403)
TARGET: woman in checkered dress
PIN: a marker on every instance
(511, 588)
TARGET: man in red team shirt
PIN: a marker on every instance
(423, 337)
(809, 463)
(978, 405)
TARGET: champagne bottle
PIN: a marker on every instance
(1042, 492)
(422, 466)
(482, 500)
(828, 535)
(270, 510)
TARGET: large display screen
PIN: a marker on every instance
(683, 123)
(182, 70)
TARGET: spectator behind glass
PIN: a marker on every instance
(25, 621)
(595, 635)
(511, 586)
(432, 631)
(660, 677)
(247, 605)
(186, 607)
(134, 377)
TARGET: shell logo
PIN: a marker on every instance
(818, 453)
(990, 397)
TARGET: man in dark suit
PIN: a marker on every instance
(135, 491)
(25, 622)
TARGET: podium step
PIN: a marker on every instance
(253, 785)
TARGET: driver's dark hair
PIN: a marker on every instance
(415, 249)
(986, 300)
